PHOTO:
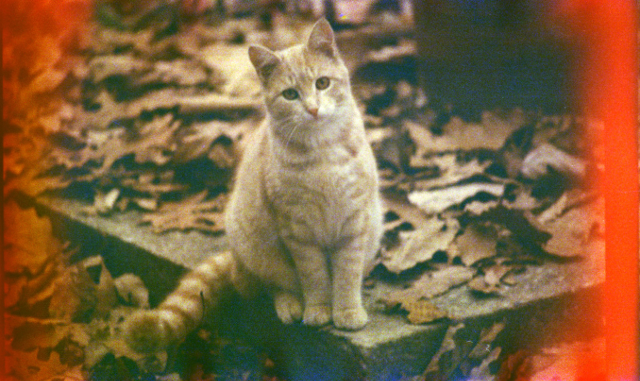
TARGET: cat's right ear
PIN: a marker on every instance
(264, 60)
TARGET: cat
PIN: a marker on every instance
(304, 220)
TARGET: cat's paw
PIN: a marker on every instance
(350, 318)
(288, 307)
(317, 315)
(144, 332)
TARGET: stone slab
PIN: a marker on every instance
(547, 301)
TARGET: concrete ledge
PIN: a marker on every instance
(547, 303)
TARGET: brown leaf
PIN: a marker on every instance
(438, 200)
(404, 213)
(103, 203)
(196, 140)
(29, 243)
(154, 139)
(422, 312)
(441, 365)
(105, 66)
(430, 284)
(487, 338)
(490, 133)
(451, 171)
(32, 335)
(74, 296)
(28, 365)
(538, 162)
(216, 139)
(476, 208)
(477, 242)
(573, 232)
(180, 72)
(521, 223)
(486, 285)
(192, 213)
(420, 245)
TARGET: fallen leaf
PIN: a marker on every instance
(438, 200)
(441, 364)
(146, 203)
(430, 284)
(32, 335)
(104, 203)
(422, 312)
(29, 243)
(74, 297)
(538, 162)
(450, 171)
(48, 80)
(179, 72)
(404, 212)
(191, 213)
(196, 140)
(420, 245)
(488, 336)
(478, 241)
(223, 155)
(576, 229)
(522, 223)
(476, 208)
(486, 284)
(105, 66)
(152, 142)
(483, 371)
(28, 365)
(490, 133)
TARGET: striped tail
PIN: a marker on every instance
(183, 310)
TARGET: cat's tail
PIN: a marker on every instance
(149, 331)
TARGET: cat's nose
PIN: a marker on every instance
(313, 111)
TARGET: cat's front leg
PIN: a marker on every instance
(311, 266)
(348, 267)
(288, 307)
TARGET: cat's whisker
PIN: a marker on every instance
(293, 131)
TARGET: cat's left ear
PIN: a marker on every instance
(322, 39)
(264, 60)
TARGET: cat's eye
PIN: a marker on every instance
(322, 83)
(290, 94)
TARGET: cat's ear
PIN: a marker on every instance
(264, 60)
(322, 39)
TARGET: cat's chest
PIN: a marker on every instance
(328, 184)
(319, 198)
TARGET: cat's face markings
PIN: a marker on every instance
(311, 98)
(307, 83)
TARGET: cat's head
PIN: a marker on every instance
(306, 84)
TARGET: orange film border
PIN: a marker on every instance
(609, 73)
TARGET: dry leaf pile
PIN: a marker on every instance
(62, 320)
(473, 203)
(140, 109)
(479, 217)
(137, 117)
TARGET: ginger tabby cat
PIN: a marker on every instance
(304, 220)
